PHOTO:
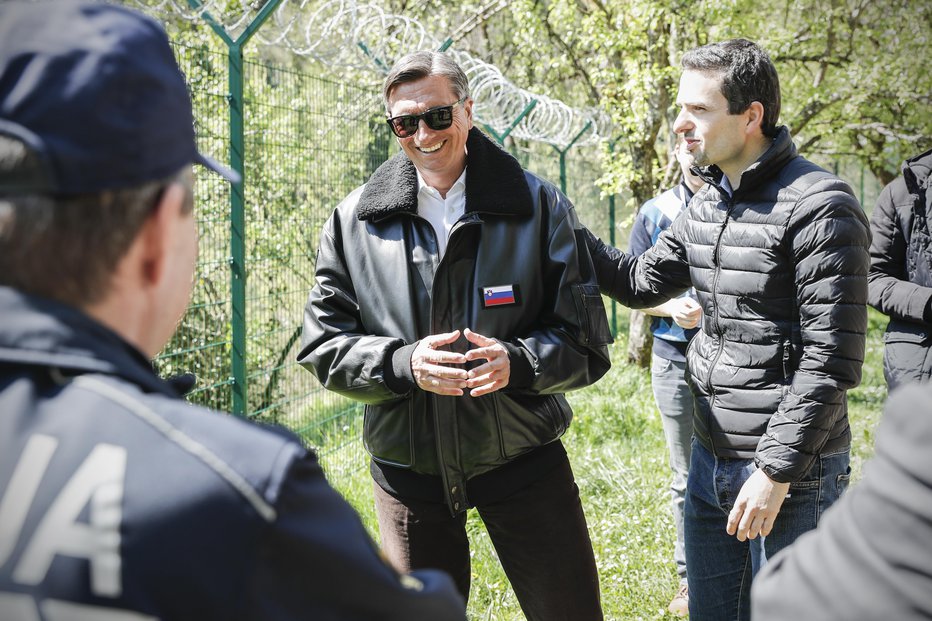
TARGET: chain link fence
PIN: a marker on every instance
(308, 142)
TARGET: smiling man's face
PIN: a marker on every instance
(439, 155)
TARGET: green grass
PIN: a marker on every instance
(617, 450)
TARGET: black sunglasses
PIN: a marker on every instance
(437, 118)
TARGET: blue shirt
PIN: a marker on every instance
(654, 217)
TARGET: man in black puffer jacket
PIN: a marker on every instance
(901, 272)
(777, 250)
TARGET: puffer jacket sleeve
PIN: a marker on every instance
(568, 350)
(889, 290)
(646, 280)
(334, 344)
(828, 237)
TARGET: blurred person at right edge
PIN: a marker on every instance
(871, 556)
(673, 325)
(900, 278)
(777, 250)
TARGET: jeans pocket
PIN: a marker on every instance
(659, 365)
(842, 481)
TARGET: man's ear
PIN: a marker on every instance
(467, 108)
(156, 234)
(755, 115)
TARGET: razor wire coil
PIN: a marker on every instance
(364, 36)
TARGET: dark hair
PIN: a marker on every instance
(66, 247)
(748, 75)
(419, 65)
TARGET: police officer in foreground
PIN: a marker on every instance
(117, 499)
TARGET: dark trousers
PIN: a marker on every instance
(539, 533)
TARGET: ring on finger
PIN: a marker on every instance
(435, 382)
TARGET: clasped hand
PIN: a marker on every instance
(439, 371)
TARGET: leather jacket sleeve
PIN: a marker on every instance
(334, 345)
(568, 350)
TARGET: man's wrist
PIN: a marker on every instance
(397, 370)
(927, 313)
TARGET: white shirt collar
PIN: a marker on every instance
(422, 185)
(441, 212)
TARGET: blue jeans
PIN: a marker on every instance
(676, 404)
(721, 567)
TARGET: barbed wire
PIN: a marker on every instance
(364, 36)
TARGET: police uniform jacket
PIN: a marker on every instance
(901, 271)
(513, 270)
(780, 269)
(122, 502)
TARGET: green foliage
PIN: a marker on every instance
(309, 141)
(855, 84)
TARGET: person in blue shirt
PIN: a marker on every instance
(119, 501)
(674, 323)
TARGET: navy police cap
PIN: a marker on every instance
(95, 91)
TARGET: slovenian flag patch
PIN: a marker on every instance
(499, 295)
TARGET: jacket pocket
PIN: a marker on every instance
(590, 311)
(526, 421)
(902, 332)
(388, 433)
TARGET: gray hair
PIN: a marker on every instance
(419, 65)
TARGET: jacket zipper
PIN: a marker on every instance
(716, 326)
(786, 360)
(435, 329)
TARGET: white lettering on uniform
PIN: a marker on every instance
(97, 484)
(21, 491)
(18, 607)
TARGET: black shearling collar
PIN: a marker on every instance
(495, 183)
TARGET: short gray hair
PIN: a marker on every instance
(419, 65)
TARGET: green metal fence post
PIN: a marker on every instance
(238, 232)
(563, 154)
(611, 239)
(238, 196)
(501, 137)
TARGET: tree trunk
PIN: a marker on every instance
(639, 339)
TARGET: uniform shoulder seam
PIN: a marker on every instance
(183, 441)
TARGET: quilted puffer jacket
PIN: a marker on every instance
(780, 269)
(900, 280)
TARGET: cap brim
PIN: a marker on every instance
(227, 173)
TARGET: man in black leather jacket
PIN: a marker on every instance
(118, 500)
(900, 279)
(454, 297)
(776, 249)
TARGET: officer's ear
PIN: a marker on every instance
(155, 239)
